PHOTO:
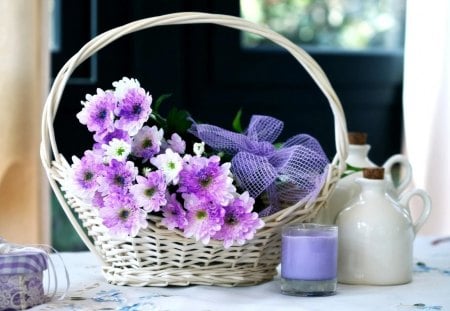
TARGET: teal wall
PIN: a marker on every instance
(64, 236)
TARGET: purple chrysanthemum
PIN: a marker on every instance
(122, 216)
(240, 223)
(117, 176)
(106, 137)
(176, 143)
(85, 173)
(133, 110)
(98, 200)
(98, 112)
(147, 142)
(122, 86)
(150, 191)
(204, 217)
(205, 177)
(174, 216)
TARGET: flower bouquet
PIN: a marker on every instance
(169, 201)
(133, 170)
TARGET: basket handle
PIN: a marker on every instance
(48, 142)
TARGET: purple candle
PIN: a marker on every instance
(309, 259)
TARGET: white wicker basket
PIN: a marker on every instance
(161, 257)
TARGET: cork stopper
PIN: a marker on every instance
(373, 173)
(357, 138)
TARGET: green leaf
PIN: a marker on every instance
(350, 170)
(155, 117)
(353, 168)
(159, 101)
(278, 145)
(178, 121)
(158, 120)
(237, 126)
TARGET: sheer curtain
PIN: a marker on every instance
(24, 76)
(426, 105)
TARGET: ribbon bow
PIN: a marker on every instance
(294, 172)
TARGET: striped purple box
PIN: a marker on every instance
(21, 280)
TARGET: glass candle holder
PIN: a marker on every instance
(309, 259)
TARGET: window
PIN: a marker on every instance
(330, 24)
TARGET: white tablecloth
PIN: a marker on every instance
(429, 290)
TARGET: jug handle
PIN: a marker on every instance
(426, 207)
(404, 163)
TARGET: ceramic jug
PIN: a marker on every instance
(346, 188)
(376, 233)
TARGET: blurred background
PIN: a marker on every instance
(213, 72)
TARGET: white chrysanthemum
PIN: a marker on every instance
(146, 171)
(122, 86)
(170, 163)
(199, 148)
(116, 149)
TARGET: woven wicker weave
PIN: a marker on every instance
(158, 256)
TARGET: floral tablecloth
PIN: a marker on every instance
(430, 290)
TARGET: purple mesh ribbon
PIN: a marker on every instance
(292, 173)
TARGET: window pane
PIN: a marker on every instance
(55, 25)
(330, 24)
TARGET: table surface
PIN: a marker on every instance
(429, 290)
